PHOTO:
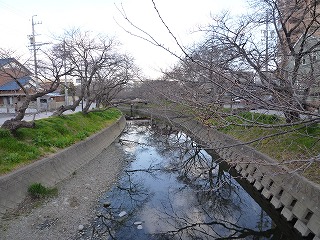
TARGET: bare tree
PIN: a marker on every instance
(279, 67)
(112, 79)
(277, 75)
(96, 61)
(235, 60)
(50, 71)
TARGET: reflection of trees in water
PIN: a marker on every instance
(197, 170)
(213, 208)
(128, 195)
(217, 207)
(187, 229)
(203, 220)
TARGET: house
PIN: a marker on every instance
(308, 73)
(13, 75)
(301, 17)
(52, 101)
(307, 76)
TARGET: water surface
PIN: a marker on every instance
(172, 189)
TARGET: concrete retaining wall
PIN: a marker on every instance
(297, 198)
(49, 171)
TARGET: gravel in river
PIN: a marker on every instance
(61, 217)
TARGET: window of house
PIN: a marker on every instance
(314, 57)
(294, 20)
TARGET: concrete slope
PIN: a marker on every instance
(49, 171)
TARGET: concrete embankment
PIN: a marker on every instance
(51, 170)
(294, 196)
(297, 198)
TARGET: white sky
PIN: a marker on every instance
(99, 16)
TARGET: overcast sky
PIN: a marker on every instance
(101, 16)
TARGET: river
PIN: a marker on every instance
(173, 189)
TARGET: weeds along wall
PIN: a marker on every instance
(49, 171)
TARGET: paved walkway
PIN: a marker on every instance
(30, 115)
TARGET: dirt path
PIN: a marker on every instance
(61, 216)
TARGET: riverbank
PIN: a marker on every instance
(80, 173)
(60, 217)
(56, 167)
(294, 196)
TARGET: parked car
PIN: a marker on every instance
(237, 99)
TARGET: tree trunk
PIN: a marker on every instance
(12, 125)
(16, 122)
(87, 106)
(291, 116)
(63, 108)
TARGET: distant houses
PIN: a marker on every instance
(307, 78)
(13, 78)
(16, 82)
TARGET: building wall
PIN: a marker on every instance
(297, 10)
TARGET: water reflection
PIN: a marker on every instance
(172, 189)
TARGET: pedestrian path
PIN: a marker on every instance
(30, 116)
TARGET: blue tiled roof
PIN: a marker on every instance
(13, 86)
(5, 61)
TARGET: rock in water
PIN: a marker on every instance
(81, 227)
(123, 213)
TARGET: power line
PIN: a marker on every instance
(16, 27)
(18, 12)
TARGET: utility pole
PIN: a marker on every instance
(34, 45)
(267, 42)
(66, 88)
(268, 36)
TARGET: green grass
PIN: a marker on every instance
(37, 190)
(298, 143)
(260, 118)
(50, 135)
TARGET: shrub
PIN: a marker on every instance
(12, 158)
(261, 118)
(4, 133)
(37, 190)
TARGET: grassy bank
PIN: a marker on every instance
(290, 145)
(50, 135)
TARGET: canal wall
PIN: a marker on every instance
(294, 196)
(51, 170)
